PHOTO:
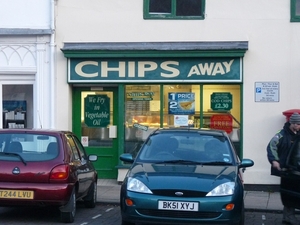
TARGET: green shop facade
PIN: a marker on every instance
(124, 91)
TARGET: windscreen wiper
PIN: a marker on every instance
(15, 154)
(216, 163)
(179, 161)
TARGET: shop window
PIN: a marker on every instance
(174, 9)
(222, 110)
(149, 107)
(142, 114)
(295, 10)
(17, 106)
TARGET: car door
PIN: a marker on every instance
(87, 170)
(79, 162)
(290, 178)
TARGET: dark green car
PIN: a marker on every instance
(184, 176)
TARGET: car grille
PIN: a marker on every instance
(186, 193)
(178, 214)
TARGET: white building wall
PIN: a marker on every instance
(33, 14)
(26, 44)
(273, 54)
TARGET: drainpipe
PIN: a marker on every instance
(52, 65)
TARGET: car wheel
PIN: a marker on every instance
(127, 223)
(91, 198)
(242, 220)
(69, 216)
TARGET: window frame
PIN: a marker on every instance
(171, 16)
(80, 148)
(294, 16)
(75, 153)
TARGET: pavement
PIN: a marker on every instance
(109, 192)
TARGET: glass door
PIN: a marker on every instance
(95, 122)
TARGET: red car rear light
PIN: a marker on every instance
(60, 172)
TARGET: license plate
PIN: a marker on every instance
(16, 194)
(179, 206)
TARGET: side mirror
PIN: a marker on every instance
(126, 157)
(246, 163)
(93, 158)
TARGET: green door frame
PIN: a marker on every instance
(118, 103)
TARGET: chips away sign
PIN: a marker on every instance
(221, 122)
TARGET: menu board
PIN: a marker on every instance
(138, 106)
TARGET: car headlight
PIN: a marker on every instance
(222, 189)
(137, 186)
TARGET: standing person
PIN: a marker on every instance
(277, 152)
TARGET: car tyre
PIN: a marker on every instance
(127, 223)
(91, 198)
(69, 216)
(242, 220)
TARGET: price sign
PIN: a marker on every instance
(221, 101)
(182, 103)
(221, 122)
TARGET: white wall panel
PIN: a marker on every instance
(34, 14)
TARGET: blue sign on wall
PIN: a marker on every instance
(155, 70)
(181, 103)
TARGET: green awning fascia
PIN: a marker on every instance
(154, 49)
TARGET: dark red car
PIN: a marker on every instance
(46, 167)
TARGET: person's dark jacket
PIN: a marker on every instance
(279, 146)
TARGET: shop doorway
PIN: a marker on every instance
(95, 118)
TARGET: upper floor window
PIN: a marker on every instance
(174, 9)
(295, 10)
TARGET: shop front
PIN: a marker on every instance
(124, 91)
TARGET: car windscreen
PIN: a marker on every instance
(28, 147)
(187, 147)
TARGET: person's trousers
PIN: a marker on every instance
(289, 216)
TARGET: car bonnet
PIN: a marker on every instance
(192, 177)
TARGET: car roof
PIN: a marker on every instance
(191, 129)
(35, 130)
